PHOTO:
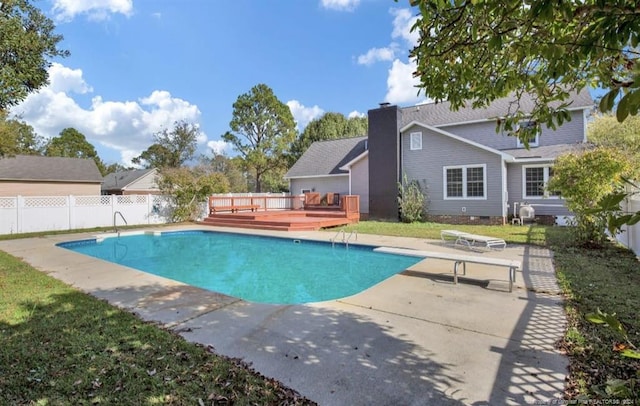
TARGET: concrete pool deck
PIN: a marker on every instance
(413, 339)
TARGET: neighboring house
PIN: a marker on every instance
(471, 173)
(27, 175)
(133, 182)
(333, 166)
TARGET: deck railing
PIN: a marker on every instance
(350, 204)
(264, 203)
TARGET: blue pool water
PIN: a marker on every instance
(253, 268)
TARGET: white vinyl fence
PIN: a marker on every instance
(26, 214)
(631, 235)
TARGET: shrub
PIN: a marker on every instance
(411, 201)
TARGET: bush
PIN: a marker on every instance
(411, 201)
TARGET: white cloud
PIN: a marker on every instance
(375, 55)
(340, 5)
(303, 115)
(403, 20)
(356, 113)
(219, 147)
(63, 79)
(401, 84)
(124, 126)
(67, 10)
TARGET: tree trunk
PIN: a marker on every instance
(258, 185)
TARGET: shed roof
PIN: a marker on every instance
(49, 169)
(326, 157)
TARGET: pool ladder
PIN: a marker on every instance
(115, 226)
(345, 237)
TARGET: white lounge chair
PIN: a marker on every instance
(470, 240)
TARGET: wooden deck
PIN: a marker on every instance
(285, 220)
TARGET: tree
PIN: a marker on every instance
(605, 130)
(189, 187)
(71, 143)
(328, 127)
(605, 168)
(27, 41)
(231, 168)
(171, 148)
(262, 130)
(479, 51)
(18, 138)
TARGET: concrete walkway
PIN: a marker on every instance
(413, 339)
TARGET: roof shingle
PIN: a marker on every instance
(326, 157)
(50, 169)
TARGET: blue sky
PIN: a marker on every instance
(137, 66)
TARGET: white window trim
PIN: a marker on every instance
(545, 178)
(464, 182)
(418, 137)
(535, 143)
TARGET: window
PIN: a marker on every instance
(416, 141)
(533, 139)
(535, 180)
(465, 182)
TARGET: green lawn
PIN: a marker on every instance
(60, 346)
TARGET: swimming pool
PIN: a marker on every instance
(254, 268)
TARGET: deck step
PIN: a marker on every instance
(286, 220)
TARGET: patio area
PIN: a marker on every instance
(415, 338)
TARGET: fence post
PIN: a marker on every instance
(19, 213)
(71, 201)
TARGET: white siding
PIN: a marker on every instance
(360, 183)
(322, 185)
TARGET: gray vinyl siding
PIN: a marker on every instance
(322, 185)
(147, 182)
(485, 133)
(360, 183)
(438, 150)
(543, 206)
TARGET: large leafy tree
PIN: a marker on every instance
(605, 130)
(18, 138)
(231, 168)
(328, 127)
(189, 187)
(262, 130)
(479, 51)
(171, 149)
(27, 42)
(72, 143)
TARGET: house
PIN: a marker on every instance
(132, 182)
(333, 166)
(27, 175)
(471, 173)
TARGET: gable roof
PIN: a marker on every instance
(439, 114)
(324, 158)
(49, 169)
(120, 180)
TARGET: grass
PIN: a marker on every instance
(60, 346)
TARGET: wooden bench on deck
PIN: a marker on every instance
(512, 265)
(234, 209)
